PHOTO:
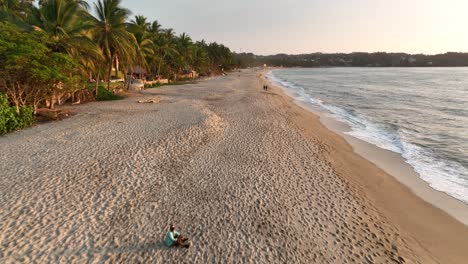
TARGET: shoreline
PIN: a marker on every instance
(390, 162)
(408, 202)
(240, 171)
(395, 165)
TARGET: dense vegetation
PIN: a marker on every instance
(357, 59)
(106, 95)
(50, 50)
(10, 119)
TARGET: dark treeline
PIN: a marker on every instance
(357, 59)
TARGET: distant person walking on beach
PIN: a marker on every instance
(173, 238)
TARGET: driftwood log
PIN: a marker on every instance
(154, 100)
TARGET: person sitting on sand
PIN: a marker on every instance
(173, 238)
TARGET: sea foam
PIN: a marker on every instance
(442, 175)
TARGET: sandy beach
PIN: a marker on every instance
(246, 174)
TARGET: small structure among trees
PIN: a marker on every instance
(137, 72)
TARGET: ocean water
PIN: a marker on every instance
(420, 113)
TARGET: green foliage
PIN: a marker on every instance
(25, 117)
(111, 34)
(19, 49)
(153, 85)
(16, 11)
(30, 71)
(105, 95)
(7, 114)
(10, 120)
(49, 49)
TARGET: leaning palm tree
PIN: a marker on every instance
(112, 36)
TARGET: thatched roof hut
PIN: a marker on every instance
(137, 72)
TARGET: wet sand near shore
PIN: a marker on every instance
(246, 174)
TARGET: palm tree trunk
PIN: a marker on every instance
(109, 75)
(159, 68)
(97, 84)
(125, 86)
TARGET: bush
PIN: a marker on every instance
(25, 117)
(10, 120)
(105, 95)
(7, 115)
(153, 85)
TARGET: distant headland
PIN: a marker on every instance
(355, 59)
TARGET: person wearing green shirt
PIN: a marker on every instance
(173, 238)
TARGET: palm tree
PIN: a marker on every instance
(200, 58)
(16, 11)
(155, 29)
(165, 47)
(184, 44)
(139, 25)
(144, 44)
(112, 35)
(220, 55)
(168, 33)
(82, 3)
(66, 23)
(154, 33)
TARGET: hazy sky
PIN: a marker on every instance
(304, 26)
